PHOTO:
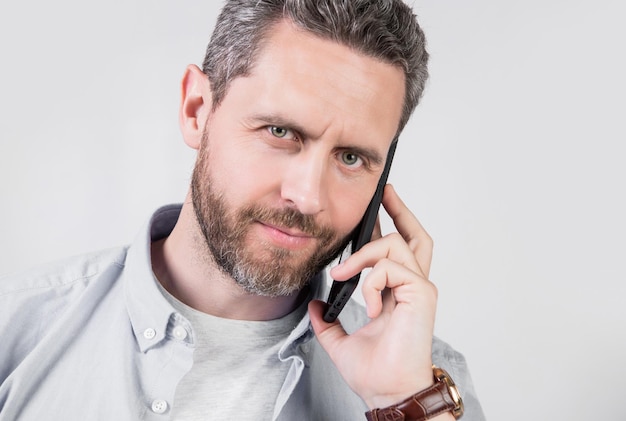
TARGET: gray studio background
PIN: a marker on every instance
(514, 162)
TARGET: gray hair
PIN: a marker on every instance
(383, 29)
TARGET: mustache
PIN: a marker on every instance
(290, 218)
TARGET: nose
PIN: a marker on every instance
(303, 183)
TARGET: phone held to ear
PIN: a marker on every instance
(340, 292)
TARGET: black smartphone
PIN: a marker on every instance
(340, 292)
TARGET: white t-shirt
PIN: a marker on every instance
(236, 372)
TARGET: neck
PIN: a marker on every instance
(184, 266)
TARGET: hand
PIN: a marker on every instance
(389, 359)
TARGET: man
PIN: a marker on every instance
(215, 312)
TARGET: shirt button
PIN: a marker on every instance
(159, 406)
(180, 333)
(149, 333)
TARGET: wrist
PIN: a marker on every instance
(402, 389)
(383, 401)
(441, 397)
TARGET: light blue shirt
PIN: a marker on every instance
(93, 338)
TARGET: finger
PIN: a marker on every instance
(391, 246)
(377, 302)
(389, 284)
(329, 335)
(409, 228)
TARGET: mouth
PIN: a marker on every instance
(286, 237)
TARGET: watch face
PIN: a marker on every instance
(443, 376)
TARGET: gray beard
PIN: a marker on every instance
(270, 271)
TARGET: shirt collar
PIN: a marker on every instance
(148, 310)
(303, 332)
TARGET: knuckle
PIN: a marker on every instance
(432, 289)
(382, 265)
(394, 236)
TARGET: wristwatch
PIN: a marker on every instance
(439, 398)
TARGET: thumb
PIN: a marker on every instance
(329, 335)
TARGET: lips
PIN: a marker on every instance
(286, 237)
(288, 231)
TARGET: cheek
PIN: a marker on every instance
(244, 177)
(348, 209)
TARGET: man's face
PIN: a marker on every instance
(290, 159)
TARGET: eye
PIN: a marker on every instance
(351, 159)
(281, 132)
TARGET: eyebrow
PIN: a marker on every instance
(371, 154)
(278, 120)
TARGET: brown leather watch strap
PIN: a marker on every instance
(422, 406)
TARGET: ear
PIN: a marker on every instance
(195, 105)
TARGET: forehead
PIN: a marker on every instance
(323, 85)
